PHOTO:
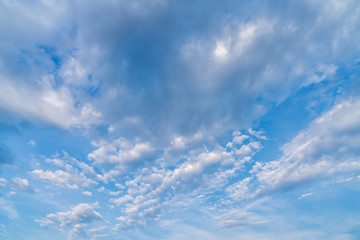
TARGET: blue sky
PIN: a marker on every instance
(179, 119)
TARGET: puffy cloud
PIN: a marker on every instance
(200, 173)
(17, 184)
(82, 212)
(21, 184)
(76, 218)
(61, 178)
(87, 193)
(75, 173)
(117, 157)
(79, 230)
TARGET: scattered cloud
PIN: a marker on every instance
(156, 114)
(72, 173)
(329, 146)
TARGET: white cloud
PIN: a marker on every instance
(60, 178)
(74, 73)
(87, 193)
(81, 213)
(79, 230)
(122, 200)
(17, 184)
(329, 146)
(220, 50)
(121, 152)
(72, 173)
(44, 103)
(76, 218)
(21, 184)
(183, 82)
(305, 195)
(201, 173)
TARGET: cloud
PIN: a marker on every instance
(217, 72)
(161, 100)
(202, 172)
(305, 195)
(116, 158)
(16, 184)
(236, 218)
(30, 57)
(120, 151)
(87, 193)
(77, 219)
(329, 146)
(79, 230)
(61, 178)
(72, 173)
(21, 184)
(47, 104)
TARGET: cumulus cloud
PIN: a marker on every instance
(201, 173)
(87, 193)
(120, 151)
(72, 173)
(61, 178)
(116, 158)
(76, 219)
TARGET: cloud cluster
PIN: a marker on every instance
(76, 219)
(121, 152)
(72, 173)
(199, 173)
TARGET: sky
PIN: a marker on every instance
(176, 119)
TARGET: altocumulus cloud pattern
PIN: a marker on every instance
(167, 119)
